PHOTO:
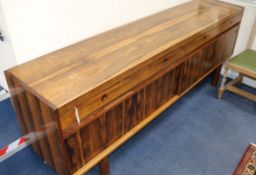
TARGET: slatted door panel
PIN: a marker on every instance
(227, 43)
(133, 110)
(92, 136)
(161, 90)
(198, 65)
(106, 129)
(74, 153)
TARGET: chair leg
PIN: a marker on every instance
(222, 86)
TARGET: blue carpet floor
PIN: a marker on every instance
(199, 135)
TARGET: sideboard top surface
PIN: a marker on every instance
(62, 76)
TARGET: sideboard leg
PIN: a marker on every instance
(216, 76)
(104, 167)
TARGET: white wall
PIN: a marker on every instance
(7, 58)
(245, 29)
(37, 27)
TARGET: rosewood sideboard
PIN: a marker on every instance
(91, 97)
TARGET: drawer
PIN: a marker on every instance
(111, 94)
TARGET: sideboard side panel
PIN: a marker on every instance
(38, 120)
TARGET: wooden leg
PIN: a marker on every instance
(104, 167)
(216, 76)
(222, 86)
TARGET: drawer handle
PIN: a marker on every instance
(165, 61)
(77, 115)
(104, 97)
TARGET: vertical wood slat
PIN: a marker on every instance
(144, 102)
(133, 111)
(213, 50)
(53, 139)
(213, 59)
(215, 53)
(162, 86)
(74, 153)
(204, 57)
(95, 142)
(194, 67)
(208, 58)
(181, 75)
(93, 137)
(169, 85)
(174, 80)
(217, 50)
(160, 91)
(114, 124)
(26, 113)
(193, 70)
(188, 73)
(124, 120)
(151, 97)
(196, 60)
(201, 60)
(103, 129)
(128, 114)
(39, 127)
(78, 137)
(139, 103)
(15, 102)
(199, 63)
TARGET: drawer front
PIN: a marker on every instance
(162, 62)
(122, 88)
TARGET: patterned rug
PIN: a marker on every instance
(247, 165)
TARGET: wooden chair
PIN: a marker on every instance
(245, 65)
